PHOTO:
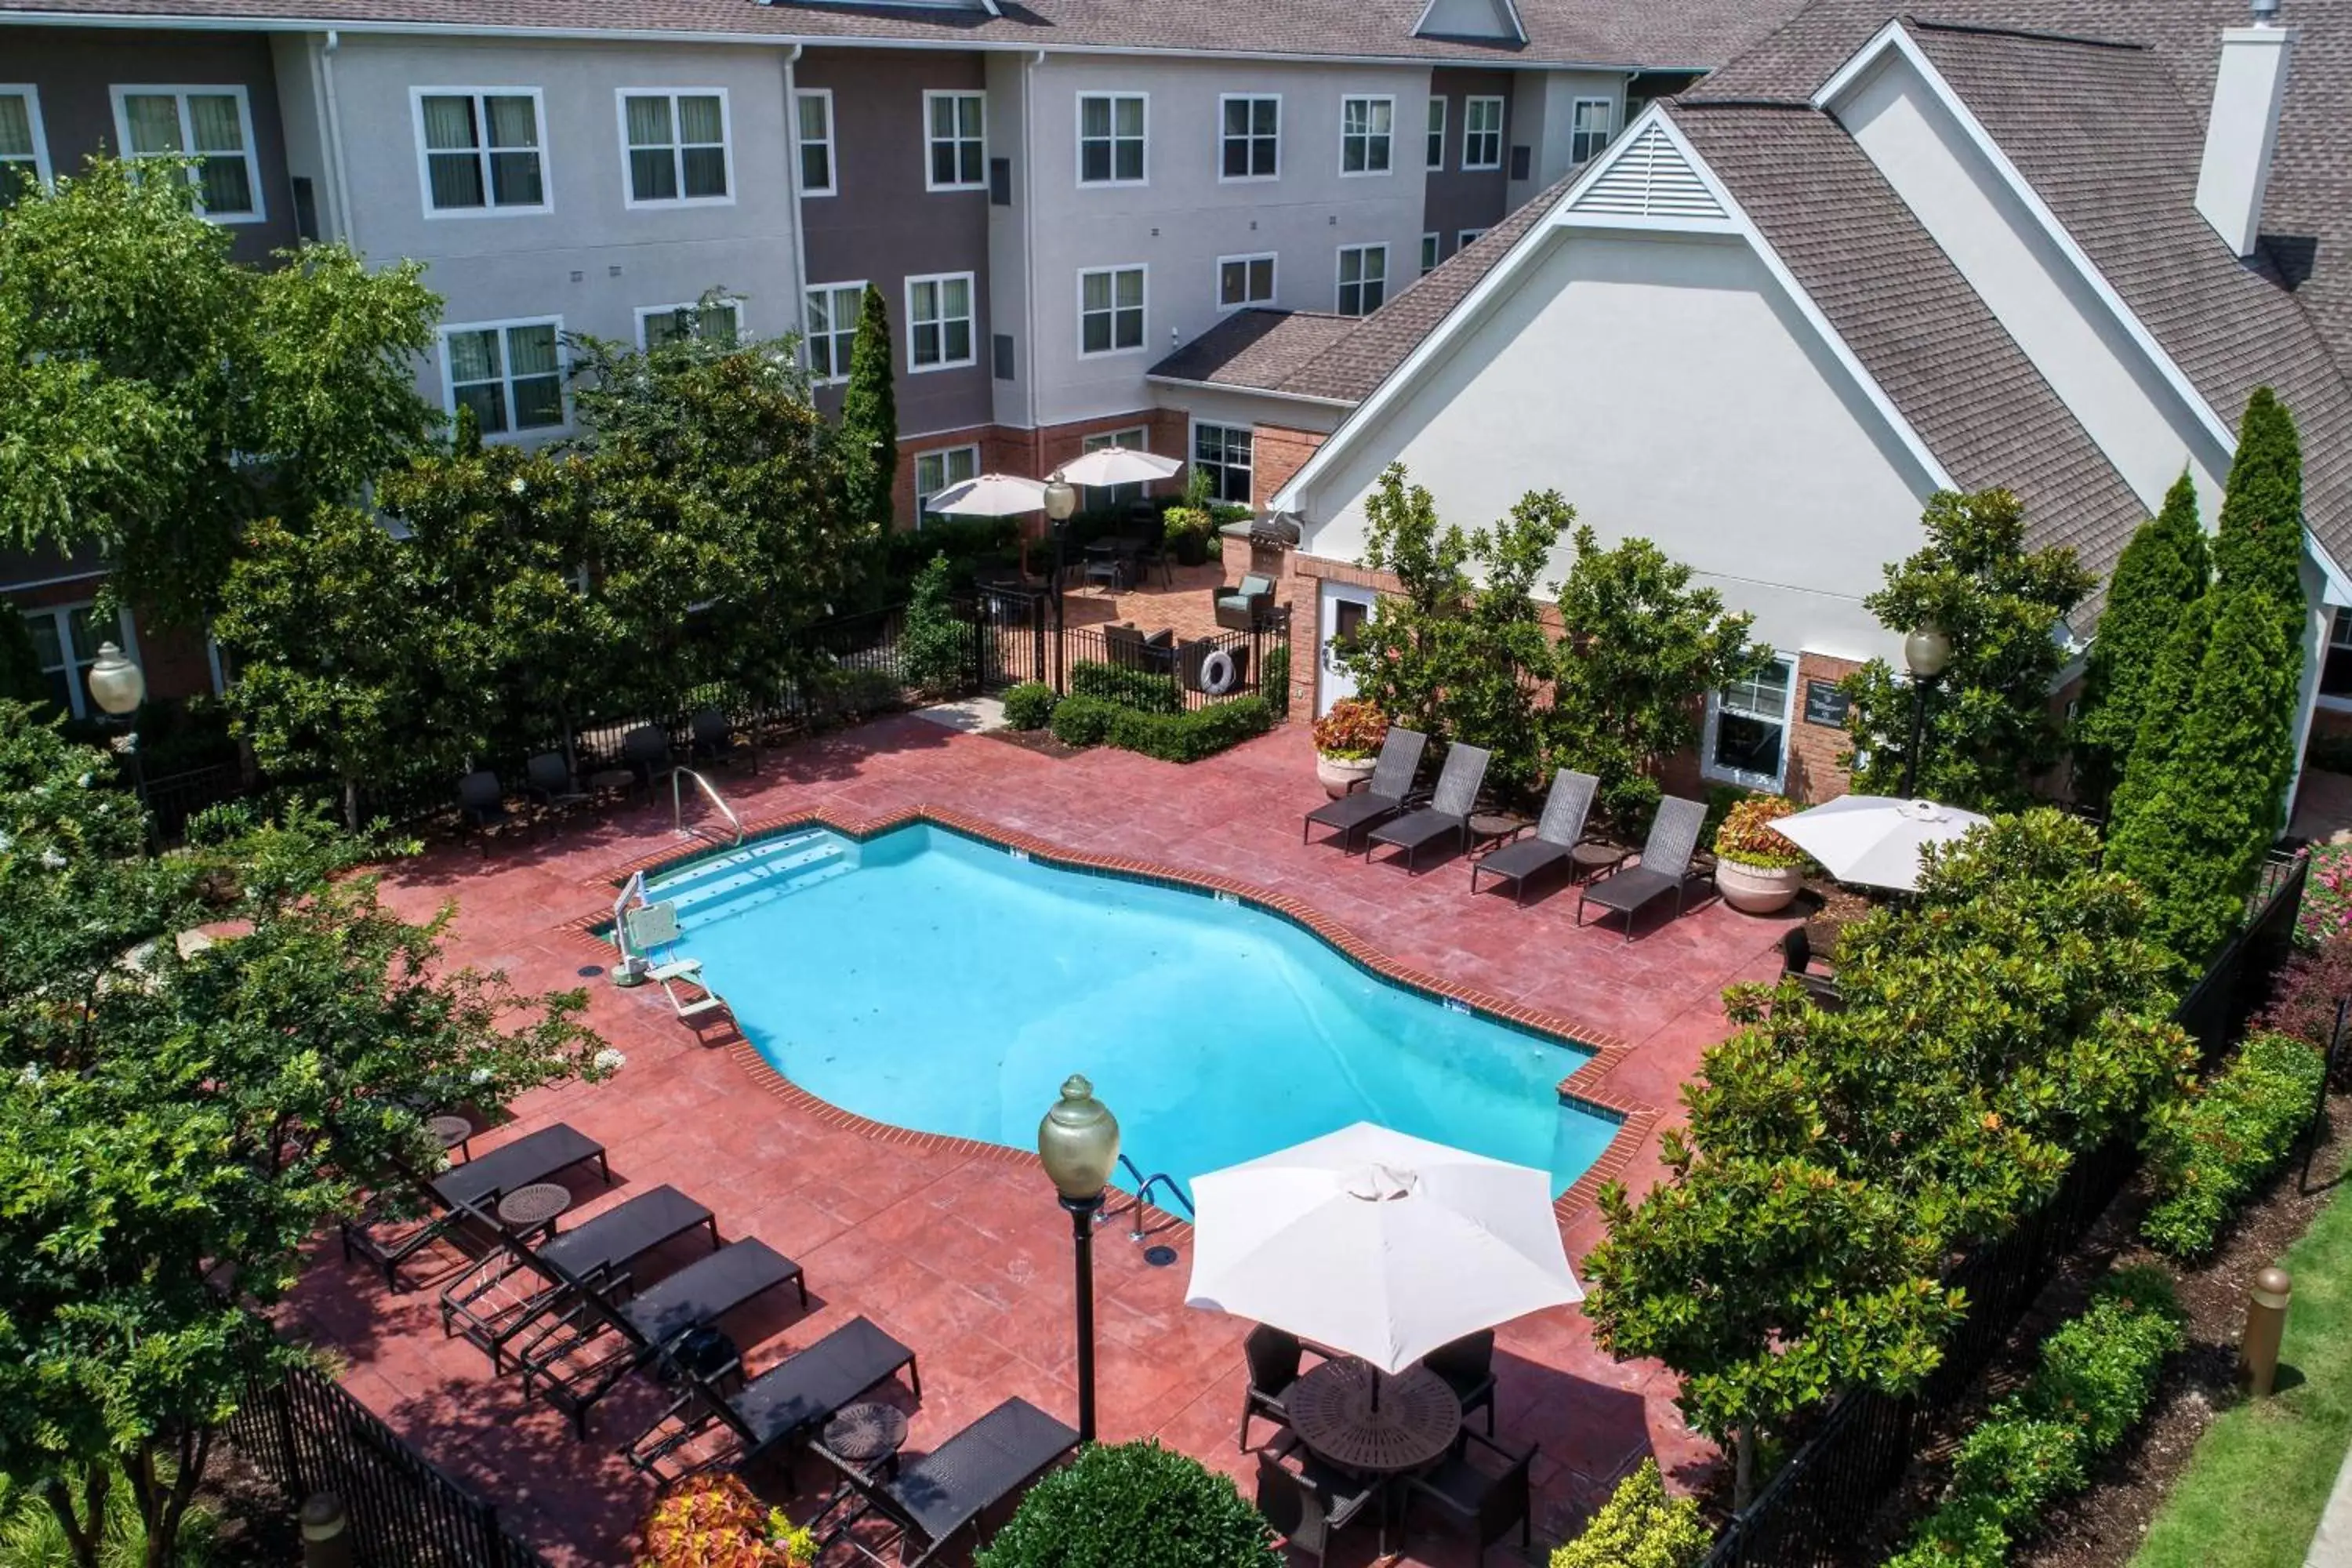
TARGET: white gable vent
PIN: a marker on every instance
(1649, 177)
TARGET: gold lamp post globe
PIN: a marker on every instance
(1078, 1142)
(1927, 651)
(115, 683)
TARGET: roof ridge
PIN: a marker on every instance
(1680, 106)
(2030, 35)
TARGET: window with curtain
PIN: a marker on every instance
(1435, 154)
(832, 314)
(1110, 310)
(1748, 729)
(1482, 133)
(939, 321)
(935, 471)
(677, 146)
(511, 375)
(1589, 129)
(815, 112)
(1223, 452)
(956, 126)
(1252, 142)
(1245, 281)
(481, 150)
(24, 162)
(208, 125)
(1363, 279)
(1364, 127)
(1110, 139)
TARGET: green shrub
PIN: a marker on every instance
(1030, 705)
(1188, 736)
(1188, 533)
(2018, 1466)
(936, 641)
(854, 693)
(1133, 1505)
(1639, 1527)
(1146, 690)
(2211, 1149)
(1082, 720)
(1274, 680)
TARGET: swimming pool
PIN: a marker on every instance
(937, 982)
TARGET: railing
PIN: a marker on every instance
(1171, 677)
(677, 803)
(1143, 1185)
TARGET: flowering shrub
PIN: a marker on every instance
(2303, 993)
(2328, 897)
(714, 1521)
(1746, 838)
(1351, 731)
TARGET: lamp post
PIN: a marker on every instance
(1927, 651)
(1061, 505)
(1078, 1142)
(118, 688)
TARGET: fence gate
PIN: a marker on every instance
(1011, 636)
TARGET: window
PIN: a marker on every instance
(675, 145)
(481, 150)
(955, 123)
(834, 310)
(510, 374)
(2335, 670)
(24, 151)
(1482, 132)
(1588, 128)
(1364, 127)
(1252, 142)
(1748, 729)
(1435, 154)
(815, 110)
(717, 321)
(1245, 281)
(1464, 241)
(1363, 279)
(1429, 243)
(1223, 452)
(935, 471)
(1110, 138)
(939, 321)
(65, 644)
(1110, 310)
(213, 125)
(1113, 498)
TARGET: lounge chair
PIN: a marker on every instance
(470, 1189)
(653, 930)
(1557, 835)
(1468, 1365)
(712, 739)
(1447, 815)
(1243, 607)
(1307, 1506)
(1482, 1486)
(794, 1397)
(937, 1498)
(646, 752)
(1389, 792)
(1273, 1355)
(1664, 865)
(548, 779)
(481, 805)
(508, 1294)
(1797, 964)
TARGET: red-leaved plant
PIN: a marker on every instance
(1353, 730)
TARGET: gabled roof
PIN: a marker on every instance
(1255, 348)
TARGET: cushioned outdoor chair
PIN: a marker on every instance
(1797, 964)
(713, 740)
(548, 779)
(1482, 1487)
(1309, 1505)
(1664, 865)
(1468, 1365)
(1273, 1355)
(1389, 792)
(646, 752)
(1447, 815)
(1240, 608)
(1557, 835)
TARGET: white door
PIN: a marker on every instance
(1340, 613)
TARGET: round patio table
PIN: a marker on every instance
(534, 1207)
(867, 1436)
(1414, 1422)
(452, 1132)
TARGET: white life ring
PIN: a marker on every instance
(1218, 674)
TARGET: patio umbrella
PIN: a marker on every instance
(1377, 1244)
(991, 495)
(1874, 839)
(1108, 466)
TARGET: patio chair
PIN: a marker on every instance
(1481, 1486)
(1797, 964)
(1557, 835)
(1664, 865)
(1468, 1365)
(1389, 792)
(482, 806)
(712, 739)
(796, 1395)
(935, 1499)
(1447, 815)
(1241, 607)
(467, 1190)
(548, 779)
(1307, 1506)
(646, 752)
(1273, 1355)
(1130, 649)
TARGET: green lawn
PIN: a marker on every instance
(2254, 1489)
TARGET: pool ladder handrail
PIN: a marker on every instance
(1143, 1196)
(678, 802)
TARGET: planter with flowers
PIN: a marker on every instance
(1347, 744)
(1757, 871)
(714, 1521)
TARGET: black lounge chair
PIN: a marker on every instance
(937, 1498)
(470, 1190)
(492, 1311)
(1273, 1355)
(1468, 1365)
(796, 1395)
(713, 740)
(1389, 792)
(1307, 1506)
(1664, 865)
(1447, 815)
(481, 805)
(1557, 835)
(1482, 1486)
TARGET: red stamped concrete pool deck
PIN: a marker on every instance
(960, 1250)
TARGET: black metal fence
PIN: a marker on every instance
(308, 1435)
(1161, 674)
(1813, 1512)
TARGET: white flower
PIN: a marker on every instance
(31, 1073)
(53, 860)
(516, 485)
(610, 1059)
(481, 1075)
(83, 781)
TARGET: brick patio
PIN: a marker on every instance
(962, 1253)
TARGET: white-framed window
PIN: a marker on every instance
(1747, 737)
(1110, 310)
(834, 312)
(1434, 154)
(213, 125)
(675, 147)
(1429, 257)
(1466, 238)
(479, 151)
(1113, 498)
(1482, 133)
(24, 148)
(65, 644)
(813, 106)
(1363, 279)
(1223, 452)
(1588, 128)
(717, 321)
(1112, 128)
(1245, 281)
(1250, 136)
(955, 129)
(1365, 128)
(935, 471)
(510, 374)
(940, 332)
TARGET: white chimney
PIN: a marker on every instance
(2247, 91)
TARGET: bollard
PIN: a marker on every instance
(2265, 1326)
(326, 1534)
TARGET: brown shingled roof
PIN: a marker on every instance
(1255, 348)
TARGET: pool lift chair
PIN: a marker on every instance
(648, 937)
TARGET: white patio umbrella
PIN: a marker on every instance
(1378, 1244)
(1874, 839)
(991, 495)
(1106, 465)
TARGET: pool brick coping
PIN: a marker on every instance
(1634, 1121)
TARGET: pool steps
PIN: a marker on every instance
(758, 873)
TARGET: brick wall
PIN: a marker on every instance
(1033, 454)
(1814, 774)
(1277, 453)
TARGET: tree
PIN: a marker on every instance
(937, 641)
(2161, 574)
(2258, 547)
(1132, 1505)
(869, 419)
(1990, 730)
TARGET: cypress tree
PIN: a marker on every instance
(2259, 547)
(2161, 574)
(870, 418)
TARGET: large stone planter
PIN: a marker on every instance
(1758, 889)
(1340, 775)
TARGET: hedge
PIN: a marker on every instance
(1030, 705)
(2209, 1149)
(1081, 721)
(1133, 1505)
(1151, 691)
(1639, 1527)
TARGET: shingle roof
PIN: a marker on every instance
(1255, 348)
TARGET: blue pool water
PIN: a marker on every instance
(931, 980)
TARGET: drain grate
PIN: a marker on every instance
(1160, 1256)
